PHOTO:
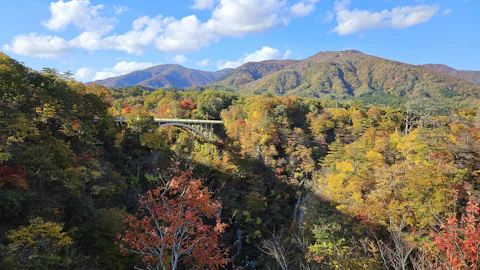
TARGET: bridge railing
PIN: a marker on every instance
(175, 120)
(187, 121)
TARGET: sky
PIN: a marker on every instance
(96, 39)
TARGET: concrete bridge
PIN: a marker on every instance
(203, 128)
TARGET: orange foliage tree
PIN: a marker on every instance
(178, 223)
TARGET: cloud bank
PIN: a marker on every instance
(229, 18)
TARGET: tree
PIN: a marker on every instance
(173, 225)
(14, 176)
(460, 239)
(276, 248)
(40, 245)
(332, 250)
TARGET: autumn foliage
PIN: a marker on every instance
(40, 245)
(177, 223)
(460, 239)
(187, 104)
(13, 175)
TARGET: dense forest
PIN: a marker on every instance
(289, 182)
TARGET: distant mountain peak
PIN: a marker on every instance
(353, 51)
(164, 76)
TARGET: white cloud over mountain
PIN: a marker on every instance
(179, 59)
(229, 18)
(204, 62)
(266, 53)
(121, 68)
(186, 34)
(84, 74)
(357, 21)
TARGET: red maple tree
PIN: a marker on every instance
(187, 104)
(14, 176)
(460, 239)
(173, 225)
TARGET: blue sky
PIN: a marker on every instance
(100, 38)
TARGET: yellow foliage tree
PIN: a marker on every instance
(40, 245)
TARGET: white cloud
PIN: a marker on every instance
(84, 74)
(186, 34)
(203, 4)
(127, 67)
(144, 33)
(302, 9)
(266, 53)
(355, 21)
(230, 18)
(239, 17)
(328, 17)
(179, 59)
(446, 12)
(101, 75)
(120, 9)
(204, 62)
(38, 46)
(81, 14)
(121, 68)
(287, 54)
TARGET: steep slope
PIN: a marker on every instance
(352, 73)
(164, 76)
(468, 75)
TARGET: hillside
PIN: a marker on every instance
(73, 179)
(253, 71)
(164, 76)
(352, 73)
(468, 75)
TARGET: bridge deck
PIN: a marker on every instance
(173, 120)
(187, 121)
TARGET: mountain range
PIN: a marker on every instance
(164, 76)
(330, 73)
(468, 75)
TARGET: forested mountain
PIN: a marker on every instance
(352, 73)
(340, 74)
(164, 76)
(288, 182)
(253, 71)
(467, 75)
